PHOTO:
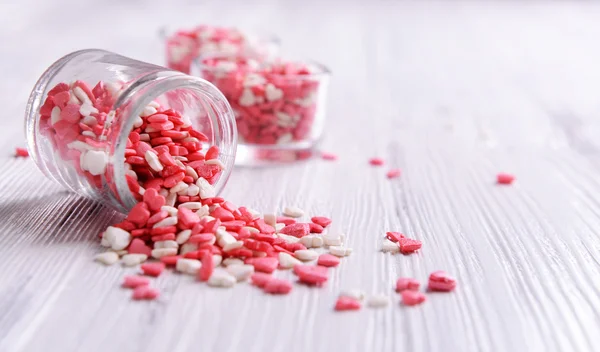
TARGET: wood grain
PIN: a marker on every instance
(451, 93)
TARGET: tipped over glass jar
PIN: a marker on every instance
(112, 128)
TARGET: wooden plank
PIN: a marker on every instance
(450, 93)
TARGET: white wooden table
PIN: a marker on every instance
(452, 93)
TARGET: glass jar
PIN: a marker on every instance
(183, 46)
(279, 104)
(82, 110)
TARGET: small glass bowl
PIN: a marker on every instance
(183, 46)
(279, 105)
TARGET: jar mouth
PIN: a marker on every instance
(150, 88)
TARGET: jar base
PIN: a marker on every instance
(268, 155)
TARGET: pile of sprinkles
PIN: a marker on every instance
(179, 222)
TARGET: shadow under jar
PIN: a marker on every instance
(97, 121)
(279, 105)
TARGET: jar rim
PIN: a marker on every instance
(321, 69)
(222, 120)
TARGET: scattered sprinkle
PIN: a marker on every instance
(333, 239)
(107, 258)
(278, 287)
(321, 220)
(340, 251)
(306, 255)
(270, 219)
(133, 259)
(241, 272)
(153, 269)
(441, 281)
(315, 228)
(393, 173)
(344, 303)
(389, 246)
(134, 281)
(188, 266)
(260, 279)
(376, 161)
(411, 298)
(407, 283)
(296, 230)
(394, 236)
(21, 152)
(504, 179)
(232, 261)
(378, 301)
(221, 279)
(170, 260)
(328, 156)
(328, 260)
(287, 261)
(293, 212)
(163, 252)
(312, 241)
(353, 293)
(207, 267)
(408, 245)
(312, 275)
(265, 264)
(145, 292)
